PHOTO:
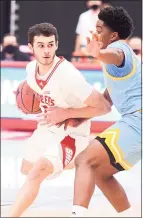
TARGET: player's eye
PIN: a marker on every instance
(50, 45)
(41, 46)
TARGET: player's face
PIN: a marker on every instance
(44, 49)
(107, 35)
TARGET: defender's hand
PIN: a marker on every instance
(94, 44)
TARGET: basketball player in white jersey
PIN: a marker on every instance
(58, 84)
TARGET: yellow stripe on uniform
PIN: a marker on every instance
(111, 138)
(141, 110)
(123, 77)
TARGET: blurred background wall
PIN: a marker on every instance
(63, 14)
(4, 18)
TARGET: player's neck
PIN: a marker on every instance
(44, 69)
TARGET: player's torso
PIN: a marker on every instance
(52, 94)
(49, 90)
(125, 91)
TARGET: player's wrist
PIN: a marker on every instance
(75, 113)
(70, 113)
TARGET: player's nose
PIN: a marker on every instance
(46, 51)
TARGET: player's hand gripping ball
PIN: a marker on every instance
(27, 100)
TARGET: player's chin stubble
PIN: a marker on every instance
(47, 61)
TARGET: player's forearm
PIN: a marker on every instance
(87, 112)
(107, 97)
(111, 56)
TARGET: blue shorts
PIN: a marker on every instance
(122, 141)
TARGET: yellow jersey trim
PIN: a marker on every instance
(124, 77)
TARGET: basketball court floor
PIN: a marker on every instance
(55, 197)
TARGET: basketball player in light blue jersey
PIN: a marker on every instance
(118, 147)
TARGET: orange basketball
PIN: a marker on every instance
(27, 100)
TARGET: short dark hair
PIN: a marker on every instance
(45, 29)
(118, 20)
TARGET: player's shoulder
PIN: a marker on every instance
(67, 66)
(31, 66)
(67, 63)
(68, 71)
(119, 44)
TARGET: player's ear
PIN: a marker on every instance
(114, 36)
(30, 47)
(57, 44)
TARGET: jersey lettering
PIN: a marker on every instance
(68, 156)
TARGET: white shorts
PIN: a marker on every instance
(44, 143)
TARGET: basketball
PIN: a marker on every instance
(27, 100)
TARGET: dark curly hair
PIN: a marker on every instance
(118, 20)
(45, 29)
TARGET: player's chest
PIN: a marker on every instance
(49, 91)
(51, 95)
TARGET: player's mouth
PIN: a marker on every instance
(46, 57)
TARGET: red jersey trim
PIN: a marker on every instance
(42, 83)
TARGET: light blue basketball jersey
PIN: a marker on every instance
(124, 82)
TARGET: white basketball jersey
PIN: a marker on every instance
(63, 86)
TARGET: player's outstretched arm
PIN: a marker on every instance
(108, 55)
(97, 105)
(111, 56)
